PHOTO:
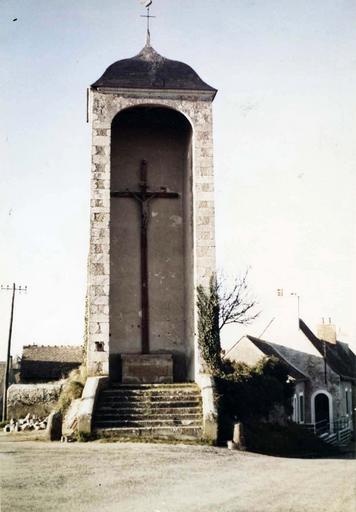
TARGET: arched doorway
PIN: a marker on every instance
(322, 407)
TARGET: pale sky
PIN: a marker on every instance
(284, 138)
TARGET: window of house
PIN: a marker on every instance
(295, 409)
(301, 407)
(347, 401)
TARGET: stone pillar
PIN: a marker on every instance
(204, 212)
(99, 263)
(204, 196)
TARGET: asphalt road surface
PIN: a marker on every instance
(134, 477)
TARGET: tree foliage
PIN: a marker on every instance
(245, 392)
(208, 325)
(252, 393)
(218, 306)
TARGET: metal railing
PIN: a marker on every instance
(342, 423)
(319, 428)
(337, 432)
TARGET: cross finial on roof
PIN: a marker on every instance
(147, 4)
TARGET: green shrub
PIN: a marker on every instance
(72, 389)
(249, 393)
(208, 326)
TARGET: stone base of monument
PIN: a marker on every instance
(147, 368)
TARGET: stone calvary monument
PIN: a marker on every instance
(152, 218)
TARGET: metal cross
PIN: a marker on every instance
(147, 16)
(144, 197)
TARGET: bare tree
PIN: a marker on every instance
(236, 304)
(220, 305)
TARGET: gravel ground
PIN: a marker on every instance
(133, 477)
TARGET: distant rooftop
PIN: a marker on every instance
(49, 363)
(338, 355)
(56, 353)
(282, 353)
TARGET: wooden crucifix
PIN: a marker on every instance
(144, 196)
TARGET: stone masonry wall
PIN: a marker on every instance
(37, 399)
(105, 105)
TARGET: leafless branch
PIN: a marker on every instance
(236, 302)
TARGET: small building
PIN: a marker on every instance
(325, 384)
(48, 363)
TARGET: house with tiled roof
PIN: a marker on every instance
(48, 363)
(325, 382)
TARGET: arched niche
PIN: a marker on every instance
(163, 138)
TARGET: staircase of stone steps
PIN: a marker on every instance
(157, 411)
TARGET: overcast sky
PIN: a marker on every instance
(285, 152)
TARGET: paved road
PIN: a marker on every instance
(132, 477)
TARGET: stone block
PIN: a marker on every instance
(147, 368)
(101, 140)
(91, 390)
(101, 131)
(54, 426)
(239, 437)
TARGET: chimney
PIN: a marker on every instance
(327, 332)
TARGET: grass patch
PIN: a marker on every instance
(84, 437)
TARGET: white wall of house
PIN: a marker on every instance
(347, 401)
(298, 402)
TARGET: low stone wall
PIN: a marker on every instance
(37, 399)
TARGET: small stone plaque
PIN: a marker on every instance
(147, 368)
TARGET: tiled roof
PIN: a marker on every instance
(57, 353)
(271, 349)
(338, 355)
(46, 363)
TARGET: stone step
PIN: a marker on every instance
(154, 411)
(149, 394)
(138, 409)
(107, 423)
(118, 415)
(107, 402)
(177, 433)
(180, 386)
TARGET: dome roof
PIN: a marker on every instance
(149, 70)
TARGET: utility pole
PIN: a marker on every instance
(8, 357)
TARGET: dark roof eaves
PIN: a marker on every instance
(114, 88)
(333, 359)
(259, 341)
